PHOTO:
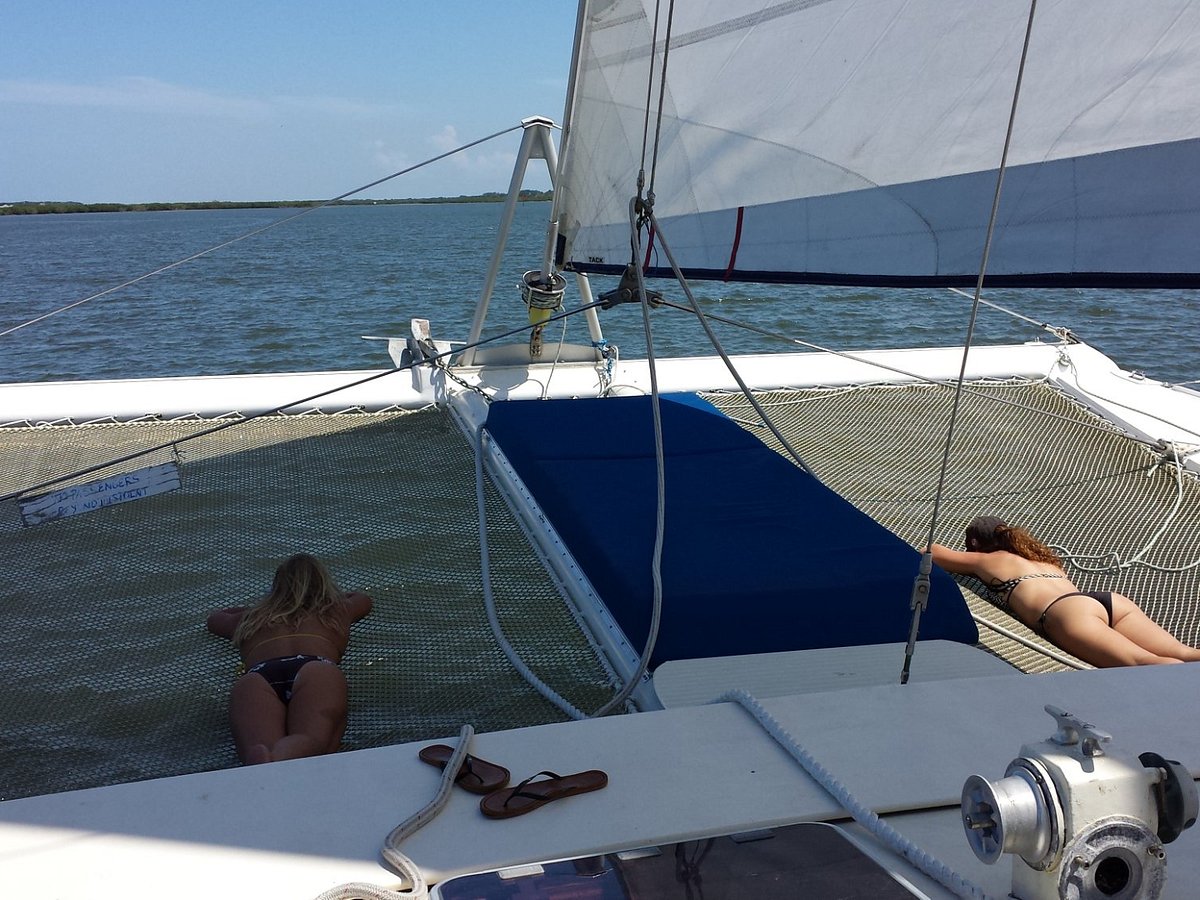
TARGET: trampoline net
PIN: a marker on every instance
(109, 672)
(1023, 451)
(111, 676)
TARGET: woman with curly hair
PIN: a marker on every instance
(1026, 578)
(291, 701)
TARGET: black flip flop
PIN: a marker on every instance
(529, 794)
(475, 775)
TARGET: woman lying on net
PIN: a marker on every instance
(1026, 577)
(292, 700)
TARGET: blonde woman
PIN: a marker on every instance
(1026, 577)
(291, 702)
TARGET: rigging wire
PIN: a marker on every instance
(716, 343)
(916, 377)
(257, 231)
(921, 585)
(1053, 329)
(431, 360)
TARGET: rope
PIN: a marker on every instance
(662, 90)
(1138, 410)
(862, 814)
(634, 680)
(1116, 564)
(920, 584)
(417, 888)
(257, 231)
(489, 600)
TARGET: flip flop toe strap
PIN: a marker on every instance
(467, 771)
(519, 792)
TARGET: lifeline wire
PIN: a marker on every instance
(257, 231)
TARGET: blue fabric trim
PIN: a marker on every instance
(759, 556)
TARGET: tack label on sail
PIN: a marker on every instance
(83, 498)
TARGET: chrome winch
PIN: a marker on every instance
(1081, 822)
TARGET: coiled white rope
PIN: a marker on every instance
(1112, 562)
(417, 888)
(862, 814)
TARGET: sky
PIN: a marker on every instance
(132, 101)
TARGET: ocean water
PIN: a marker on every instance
(299, 297)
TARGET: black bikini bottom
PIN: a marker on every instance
(1104, 598)
(281, 672)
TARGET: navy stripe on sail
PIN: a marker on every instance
(1126, 218)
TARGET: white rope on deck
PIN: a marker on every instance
(862, 814)
(417, 887)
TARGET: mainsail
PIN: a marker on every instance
(858, 141)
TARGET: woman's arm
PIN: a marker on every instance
(358, 605)
(224, 622)
(960, 562)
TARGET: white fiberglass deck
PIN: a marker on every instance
(298, 828)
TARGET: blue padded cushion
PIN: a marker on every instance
(759, 556)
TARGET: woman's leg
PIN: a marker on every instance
(257, 718)
(1079, 624)
(1130, 621)
(316, 714)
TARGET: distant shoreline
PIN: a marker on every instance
(45, 207)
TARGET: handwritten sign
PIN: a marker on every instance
(95, 495)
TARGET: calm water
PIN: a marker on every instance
(299, 297)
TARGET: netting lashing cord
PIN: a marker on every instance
(1123, 405)
(416, 886)
(864, 815)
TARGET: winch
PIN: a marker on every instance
(1081, 822)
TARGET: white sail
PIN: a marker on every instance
(857, 141)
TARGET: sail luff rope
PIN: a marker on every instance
(921, 584)
(257, 231)
(641, 179)
(662, 91)
(137, 454)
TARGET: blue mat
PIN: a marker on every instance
(759, 556)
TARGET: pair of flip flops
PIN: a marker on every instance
(500, 802)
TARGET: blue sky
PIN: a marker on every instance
(156, 100)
